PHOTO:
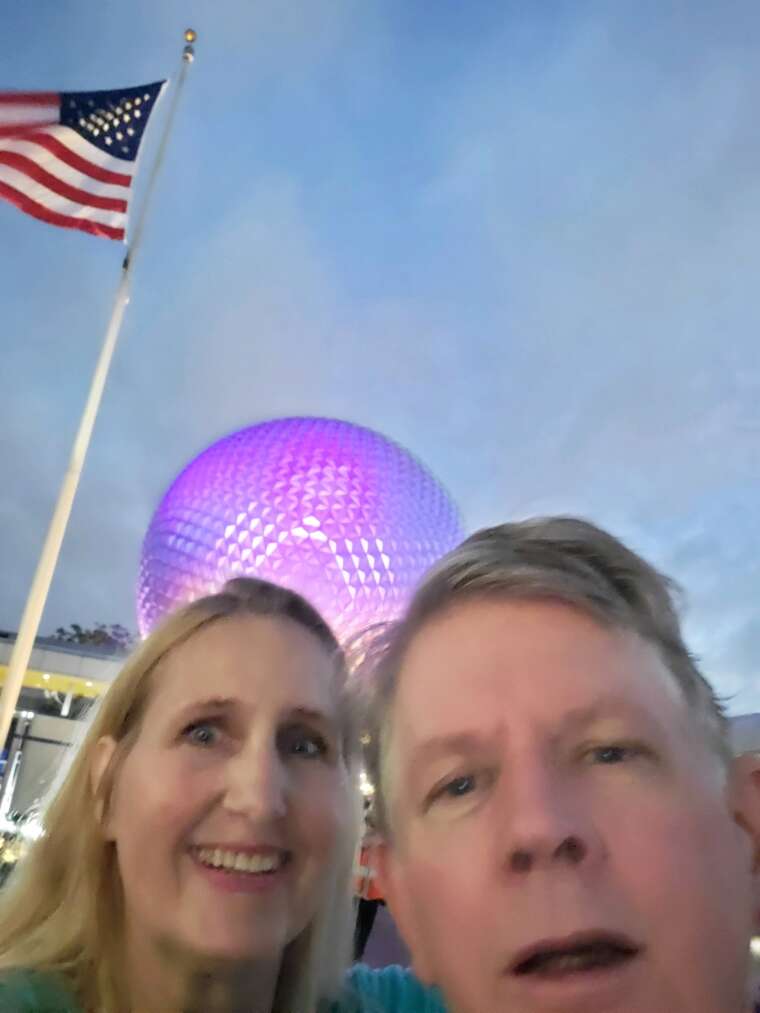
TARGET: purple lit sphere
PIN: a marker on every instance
(335, 511)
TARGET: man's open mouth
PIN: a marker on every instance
(573, 955)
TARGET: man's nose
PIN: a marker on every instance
(547, 822)
(257, 783)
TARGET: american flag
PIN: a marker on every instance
(68, 158)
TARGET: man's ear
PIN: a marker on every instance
(101, 758)
(745, 802)
(394, 888)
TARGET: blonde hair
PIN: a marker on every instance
(62, 909)
(563, 559)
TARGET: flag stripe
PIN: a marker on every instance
(63, 171)
(23, 164)
(29, 98)
(21, 129)
(52, 144)
(76, 143)
(42, 195)
(31, 207)
(29, 115)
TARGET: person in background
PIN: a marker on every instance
(198, 853)
(369, 896)
(562, 825)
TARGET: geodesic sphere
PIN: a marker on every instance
(335, 511)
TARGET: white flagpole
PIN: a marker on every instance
(35, 603)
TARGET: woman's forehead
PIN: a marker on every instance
(249, 658)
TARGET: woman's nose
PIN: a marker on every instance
(256, 784)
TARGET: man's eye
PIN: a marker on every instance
(460, 786)
(457, 787)
(201, 733)
(613, 753)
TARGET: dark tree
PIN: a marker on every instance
(113, 637)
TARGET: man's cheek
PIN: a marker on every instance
(663, 868)
(447, 897)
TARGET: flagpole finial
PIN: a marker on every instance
(188, 53)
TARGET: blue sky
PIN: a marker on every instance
(519, 238)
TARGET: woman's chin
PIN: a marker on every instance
(229, 950)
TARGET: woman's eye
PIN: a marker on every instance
(202, 733)
(306, 745)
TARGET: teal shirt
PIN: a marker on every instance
(25, 992)
(389, 990)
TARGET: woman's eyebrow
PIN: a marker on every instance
(229, 705)
(315, 715)
(215, 703)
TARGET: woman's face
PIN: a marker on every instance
(226, 811)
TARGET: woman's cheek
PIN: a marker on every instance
(324, 808)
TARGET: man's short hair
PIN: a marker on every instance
(561, 559)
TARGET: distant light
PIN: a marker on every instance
(754, 946)
(31, 829)
(45, 676)
(366, 787)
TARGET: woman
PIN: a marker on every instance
(197, 854)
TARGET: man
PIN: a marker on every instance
(563, 827)
(367, 891)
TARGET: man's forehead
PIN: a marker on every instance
(512, 653)
(462, 731)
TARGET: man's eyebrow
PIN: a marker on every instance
(605, 707)
(444, 745)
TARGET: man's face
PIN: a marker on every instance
(563, 839)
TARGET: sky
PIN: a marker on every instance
(519, 238)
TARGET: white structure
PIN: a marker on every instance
(58, 674)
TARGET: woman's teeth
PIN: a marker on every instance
(238, 861)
